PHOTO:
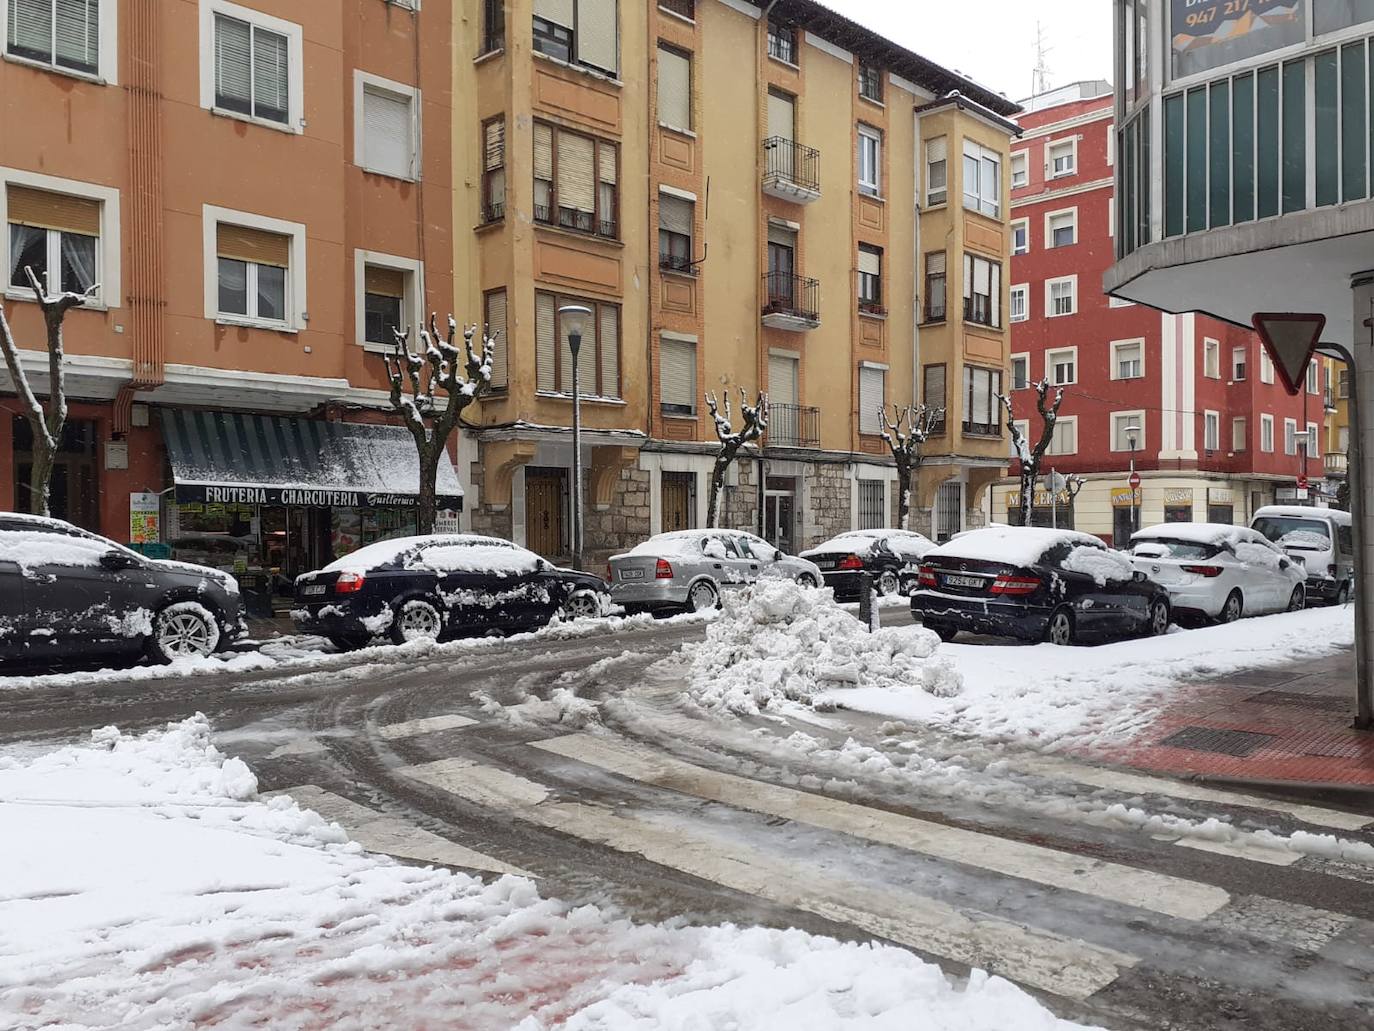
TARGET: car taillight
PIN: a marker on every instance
(349, 583)
(925, 577)
(1015, 585)
(850, 562)
(664, 570)
(1207, 571)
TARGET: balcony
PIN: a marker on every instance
(682, 8)
(791, 302)
(791, 172)
(794, 426)
(1329, 399)
(1336, 465)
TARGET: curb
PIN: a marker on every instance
(1357, 798)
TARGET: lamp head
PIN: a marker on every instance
(574, 318)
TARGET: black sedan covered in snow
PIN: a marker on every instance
(883, 554)
(439, 586)
(68, 594)
(1037, 585)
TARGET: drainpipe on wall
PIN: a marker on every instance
(760, 251)
(919, 285)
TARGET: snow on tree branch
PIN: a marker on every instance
(908, 428)
(733, 441)
(1030, 456)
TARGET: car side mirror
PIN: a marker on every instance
(1139, 577)
(116, 560)
(1284, 563)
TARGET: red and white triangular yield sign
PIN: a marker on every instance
(1290, 338)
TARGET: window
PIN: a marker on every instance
(682, 8)
(1020, 236)
(678, 375)
(1061, 296)
(674, 87)
(1290, 436)
(493, 26)
(385, 132)
(1020, 371)
(575, 181)
(383, 303)
(1128, 431)
(1211, 431)
(870, 160)
(1314, 377)
(1211, 359)
(64, 34)
(1343, 384)
(981, 407)
(982, 179)
(1111, 144)
(933, 394)
(871, 83)
(1267, 434)
(1064, 440)
(493, 170)
(1020, 174)
(1238, 364)
(57, 235)
(1061, 367)
(581, 32)
(1020, 302)
(255, 270)
(494, 312)
(1240, 434)
(256, 65)
(1266, 366)
(782, 42)
(871, 280)
(1061, 157)
(982, 291)
(1128, 359)
(872, 398)
(937, 171)
(1061, 228)
(935, 286)
(598, 364)
(1314, 448)
(675, 220)
(872, 505)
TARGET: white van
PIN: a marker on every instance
(1323, 538)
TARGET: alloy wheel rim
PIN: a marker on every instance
(702, 597)
(582, 606)
(1232, 611)
(419, 620)
(887, 583)
(1161, 619)
(1059, 629)
(184, 634)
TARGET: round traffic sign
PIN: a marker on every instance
(1134, 481)
(1302, 482)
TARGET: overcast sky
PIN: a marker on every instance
(993, 41)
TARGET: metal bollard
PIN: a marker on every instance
(869, 612)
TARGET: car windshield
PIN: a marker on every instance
(1292, 532)
(1174, 548)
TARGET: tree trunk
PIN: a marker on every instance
(426, 509)
(40, 476)
(717, 487)
(905, 473)
(1028, 474)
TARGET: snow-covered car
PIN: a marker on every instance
(1036, 584)
(1323, 538)
(687, 569)
(439, 586)
(1216, 571)
(66, 593)
(883, 554)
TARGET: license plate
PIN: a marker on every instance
(632, 574)
(313, 589)
(964, 581)
(826, 563)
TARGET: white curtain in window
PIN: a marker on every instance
(387, 134)
(78, 262)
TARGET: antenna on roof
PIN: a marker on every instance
(1040, 77)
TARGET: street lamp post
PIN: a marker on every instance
(574, 320)
(1131, 432)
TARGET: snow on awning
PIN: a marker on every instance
(231, 458)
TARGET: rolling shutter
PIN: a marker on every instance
(934, 393)
(576, 172)
(386, 132)
(596, 34)
(782, 115)
(678, 372)
(871, 399)
(935, 263)
(610, 350)
(675, 214)
(543, 151)
(233, 60)
(558, 11)
(255, 245)
(544, 321)
(496, 329)
(782, 236)
(45, 210)
(995, 292)
(269, 74)
(494, 145)
(870, 261)
(586, 355)
(606, 171)
(388, 282)
(674, 88)
(78, 34)
(782, 380)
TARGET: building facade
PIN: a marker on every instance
(1191, 402)
(751, 196)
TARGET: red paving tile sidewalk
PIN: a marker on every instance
(1289, 724)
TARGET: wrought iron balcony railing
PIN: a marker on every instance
(794, 426)
(792, 298)
(790, 170)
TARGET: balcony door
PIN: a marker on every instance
(782, 269)
(782, 127)
(783, 392)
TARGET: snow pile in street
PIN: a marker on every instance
(145, 885)
(778, 641)
(1100, 564)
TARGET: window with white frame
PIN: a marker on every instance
(1267, 434)
(1211, 431)
(1061, 296)
(1020, 236)
(251, 64)
(1020, 371)
(982, 179)
(1061, 228)
(1238, 364)
(1128, 431)
(57, 235)
(1020, 175)
(1128, 359)
(870, 145)
(385, 127)
(1211, 358)
(982, 291)
(1314, 385)
(389, 291)
(1240, 434)
(1061, 366)
(1020, 302)
(255, 269)
(67, 35)
(982, 409)
(1064, 440)
(1314, 448)
(872, 504)
(1061, 158)
(678, 374)
(1266, 366)
(872, 397)
(1290, 436)
(581, 32)
(937, 171)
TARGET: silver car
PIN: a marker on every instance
(688, 569)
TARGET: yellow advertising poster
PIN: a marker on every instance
(1124, 497)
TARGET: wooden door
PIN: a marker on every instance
(678, 503)
(544, 513)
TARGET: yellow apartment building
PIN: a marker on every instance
(747, 195)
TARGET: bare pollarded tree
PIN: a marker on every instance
(733, 441)
(461, 373)
(46, 419)
(908, 429)
(1031, 455)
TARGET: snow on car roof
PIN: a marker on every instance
(30, 548)
(442, 553)
(1015, 545)
(1304, 512)
(860, 541)
(675, 542)
(1195, 533)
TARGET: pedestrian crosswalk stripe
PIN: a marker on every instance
(1040, 959)
(1242, 850)
(413, 728)
(378, 832)
(1143, 889)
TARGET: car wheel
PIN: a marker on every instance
(889, 583)
(703, 596)
(582, 605)
(1297, 601)
(184, 628)
(1159, 618)
(1343, 595)
(1231, 611)
(415, 619)
(807, 580)
(347, 644)
(945, 633)
(1060, 628)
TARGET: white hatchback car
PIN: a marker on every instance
(1214, 571)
